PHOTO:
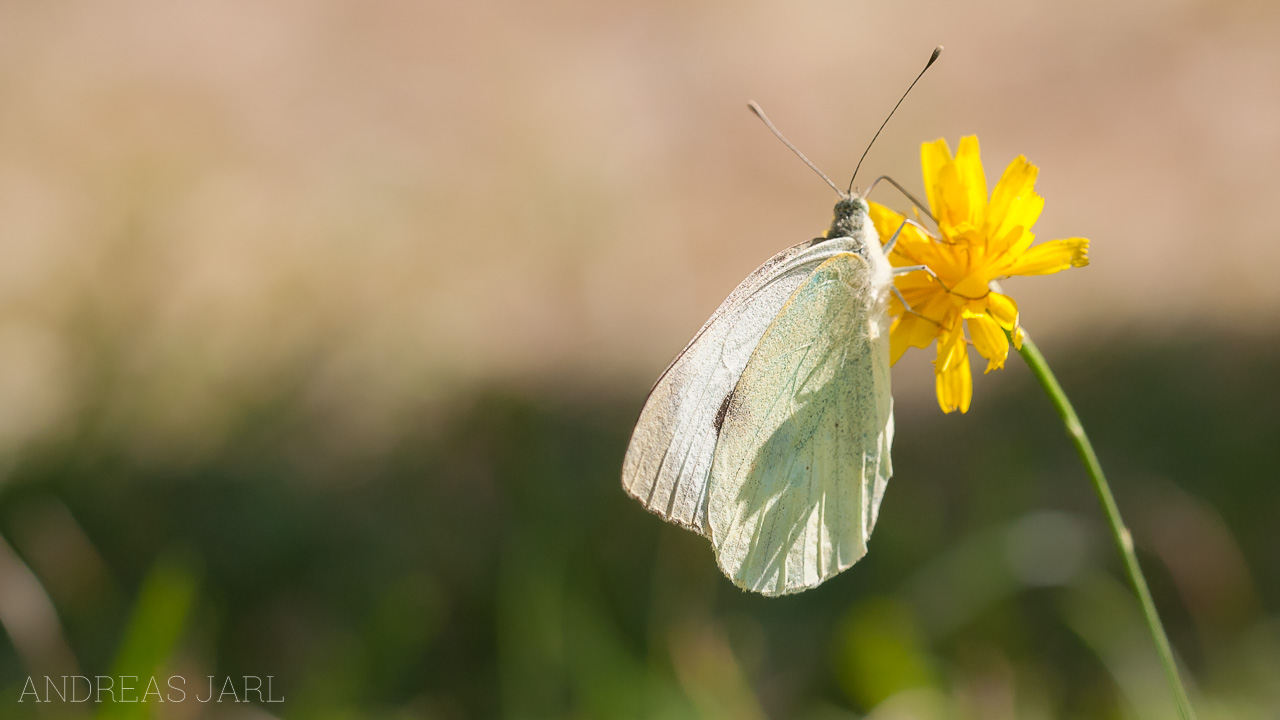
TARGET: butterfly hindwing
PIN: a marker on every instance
(802, 457)
(668, 460)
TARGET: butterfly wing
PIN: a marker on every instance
(669, 458)
(802, 458)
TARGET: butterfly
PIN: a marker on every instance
(770, 433)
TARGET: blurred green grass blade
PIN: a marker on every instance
(881, 652)
(711, 675)
(157, 624)
(1107, 618)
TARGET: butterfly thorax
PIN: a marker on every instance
(851, 214)
(853, 220)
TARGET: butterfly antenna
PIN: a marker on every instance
(932, 58)
(753, 107)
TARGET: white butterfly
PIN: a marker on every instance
(770, 433)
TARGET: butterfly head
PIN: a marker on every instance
(851, 217)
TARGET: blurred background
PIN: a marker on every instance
(323, 326)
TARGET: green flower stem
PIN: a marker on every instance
(1124, 540)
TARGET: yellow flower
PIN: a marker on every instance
(981, 241)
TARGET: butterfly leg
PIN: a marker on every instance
(926, 269)
(888, 247)
(914, 268)
(907, 307)
(927, 232)
(902, 190)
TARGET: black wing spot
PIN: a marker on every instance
(724, 410)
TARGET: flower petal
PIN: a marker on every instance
(933, 157)
(1003, 310)
(1051, 257)
(885, 219)
(953, 201)
(887, 222)
(909, 331)
(1014, 202)
(1015, 242)
(954, 386)
(989, 340)
(952, 349)
(973, 179)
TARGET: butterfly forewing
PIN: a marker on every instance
(669, 458)
(802, 456)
